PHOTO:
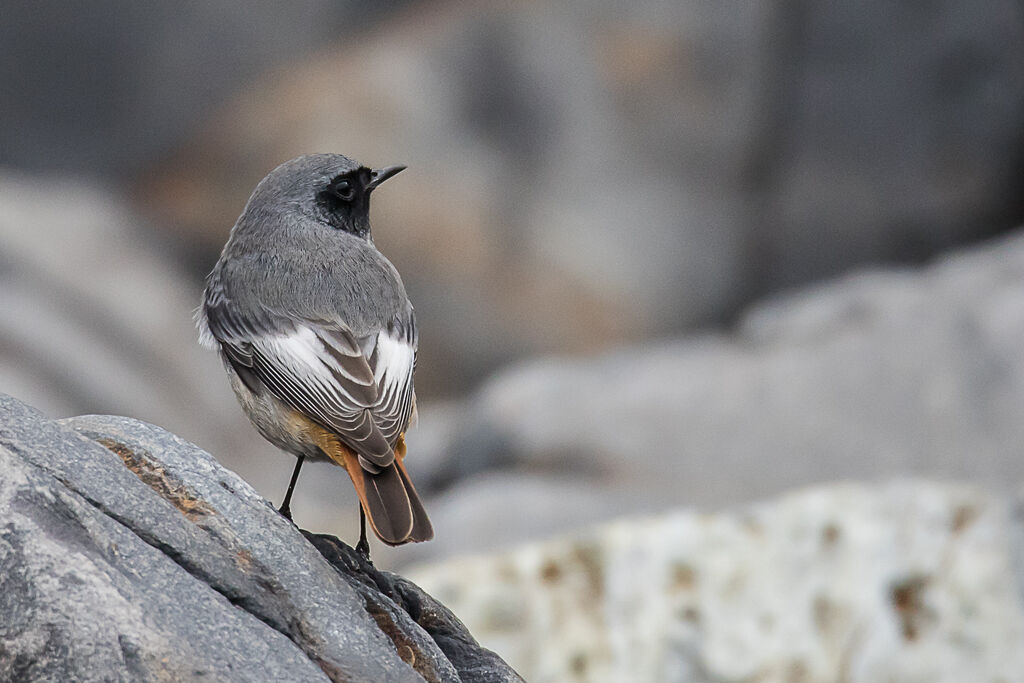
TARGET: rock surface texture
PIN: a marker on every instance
(904, 582)
(127, 553)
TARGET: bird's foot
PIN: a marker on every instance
(363, 548)
(286, 512)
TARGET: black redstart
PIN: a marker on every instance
(318, 336)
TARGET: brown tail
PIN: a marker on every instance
(388, 497)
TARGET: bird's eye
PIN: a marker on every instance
(344, 190)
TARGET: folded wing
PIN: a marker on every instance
(359, 388)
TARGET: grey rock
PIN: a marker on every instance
(407, 601)
(130, 554)
(885, 373)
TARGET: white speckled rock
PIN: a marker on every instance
(907, 581)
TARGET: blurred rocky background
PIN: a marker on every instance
(907, 581)
(663, 254)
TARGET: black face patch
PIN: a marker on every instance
(345, 202)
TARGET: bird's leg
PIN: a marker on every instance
(285, 508)
(363, 547)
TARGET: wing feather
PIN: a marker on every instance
(393, 363)
(360, 388)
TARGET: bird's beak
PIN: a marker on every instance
(379, 175)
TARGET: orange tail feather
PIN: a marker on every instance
(388, 497)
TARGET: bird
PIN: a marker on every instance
(318, 336)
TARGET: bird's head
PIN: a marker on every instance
(330, 188)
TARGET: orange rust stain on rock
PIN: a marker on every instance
(683, 578)
(908, 599)
(963, 517)
(550, 572)
(157, 478)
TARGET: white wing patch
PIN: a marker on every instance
(299, 349)
(326, 373)
(394, 362)
(307, 357)
(392, 371)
